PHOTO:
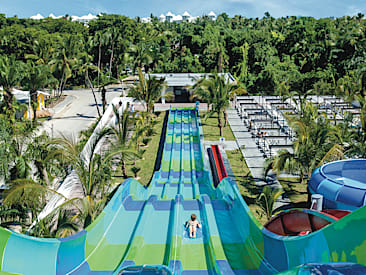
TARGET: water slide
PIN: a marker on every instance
(143, 228)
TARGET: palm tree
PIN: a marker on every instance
(104, 81)
(64, 59)
(36, 77)
(11, 73)
(92, 168)
(140, 54)
(148, 91)
(123, 126)
(85, 66)
(114, 38)
(267, 199)
(100, 39)
(143, 127)
(42, 52)
(217, 92)
(316, 143)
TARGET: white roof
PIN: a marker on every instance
(162, 16)
(88, 17)
(186, 13)
(54, 16)
(186, 79)
(37, 17)
(24, 95)
(169, 14)
(211, 14)
(177, 18)
(146, 20)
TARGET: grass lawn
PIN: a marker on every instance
(295, 190)
(211, 131)
(247, 187)
(148, 161)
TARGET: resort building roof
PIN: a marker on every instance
(186, 79)
(37, 17)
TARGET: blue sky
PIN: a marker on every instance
(143, 8)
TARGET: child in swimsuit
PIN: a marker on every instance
(193, 224)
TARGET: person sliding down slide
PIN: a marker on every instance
(193, 224)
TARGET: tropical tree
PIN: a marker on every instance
(144, 126)
(11, 73)
(64, 59)
(123, 126)
(217, 91)
(92, 168)
(100, 39)
(316, 143)
(267, 199)
(36, 77)
(115, 37)
(85, 66)
(104, 81)
(148, 91)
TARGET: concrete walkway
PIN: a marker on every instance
(253, 157)
(76, 113)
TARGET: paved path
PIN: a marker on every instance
(253, 157)
(76, 113)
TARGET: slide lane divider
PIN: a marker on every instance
(171, 153)
(214, 248)
(175, 244)
(193, 163)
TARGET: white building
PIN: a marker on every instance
(178, 18)
(83, 19)
(186, 16)
(169, 17)
(37, 17)
(146, 20)
(179, 83)
(162, 18)
(54, 16)
(212, 15)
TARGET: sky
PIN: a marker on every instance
(143, 8)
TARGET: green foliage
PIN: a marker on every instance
(148, 91)
(135, 170)
(267, 54)
(217, 92)
(267, 199)
(316, 142)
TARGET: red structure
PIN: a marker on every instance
(297, 222)
(220, 167)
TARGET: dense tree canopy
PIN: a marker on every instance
(268, 54)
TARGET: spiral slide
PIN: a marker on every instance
(142, 230)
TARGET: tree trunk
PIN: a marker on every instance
(45, 176)
(34, 104)
(219, 124)
(110, 61)
(99, 57)
(87, 80)
(124, 173)
(225, 118)
(219, 65)
(8, 97)
(104, 101)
